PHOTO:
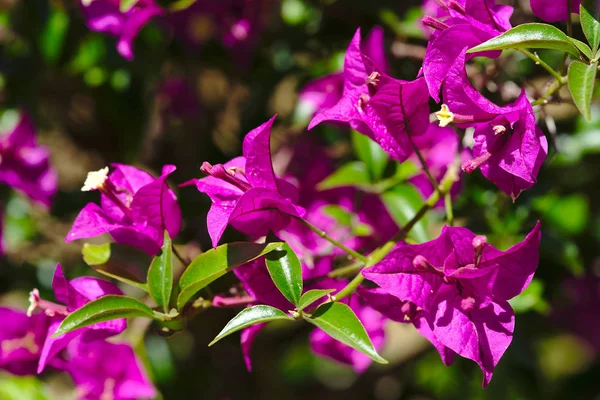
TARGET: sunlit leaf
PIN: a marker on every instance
(339, 321)
(532, 35)
(215, 263)
(104, 309)
(251, 316)
(160, 275)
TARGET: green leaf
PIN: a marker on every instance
(369, 152)
(105, 308)
(339, 321)
(532, 35)
(311, 296)
(96, 254)
(403, 202)
(584, 48)
(591, 28)
(581, 79)
(351, 174)
(126, 5)
(251, 316)
(160, 275)
(286, 272)
(215, 263)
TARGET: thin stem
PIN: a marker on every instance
(345, 270)
(183, 261)
(536, 59)
(349, 288)
(449, 210)
(334, 242)
(556, 85)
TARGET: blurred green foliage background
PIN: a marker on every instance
(92, 108)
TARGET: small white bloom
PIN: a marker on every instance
(95, 180)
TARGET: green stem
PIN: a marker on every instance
(556, 85)
(183, 261)
(536, 59)
(345, 270)
(378, 254)
(349, 288)
(334, 242)
(449, 210)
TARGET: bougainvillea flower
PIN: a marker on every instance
(385, 109)
(463, 285)
(103, 370)
(135, 208)
(21, 341)
(405, 312)
(554, 11)
(246, 193)
(73, 295)
(106, 16)
(324, 93)
(509, 147)
(25, 165)
(326, 346)
(468, 25)
(439, 146)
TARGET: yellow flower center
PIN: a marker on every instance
(445, 116)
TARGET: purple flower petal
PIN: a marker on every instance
(257, 151)
(482, 334)
(91, 221)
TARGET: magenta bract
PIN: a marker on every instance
(462, 284)
(135, 209)
(246, 193)
(25, 165)
(106, 16)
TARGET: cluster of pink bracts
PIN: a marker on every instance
(453, 289)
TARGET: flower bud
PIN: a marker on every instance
(421, 264)
(479, 241)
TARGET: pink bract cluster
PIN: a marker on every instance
(453, 289)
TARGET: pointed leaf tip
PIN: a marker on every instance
(251, 316)
(532, 35)
(339, 321)
(105, 308)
